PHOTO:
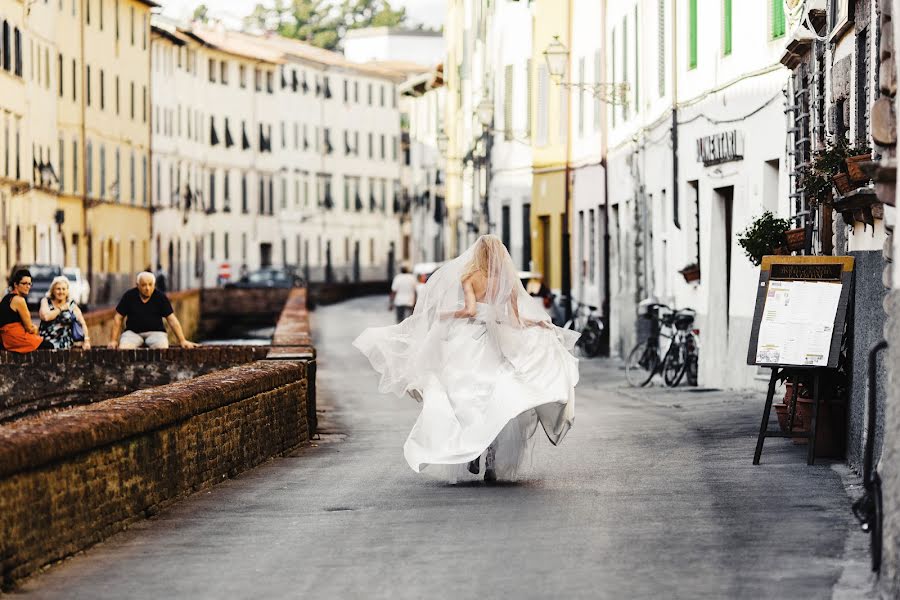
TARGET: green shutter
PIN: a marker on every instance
(692, 54)
(727, 24)
(777, 19)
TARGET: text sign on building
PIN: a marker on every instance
(720, 147)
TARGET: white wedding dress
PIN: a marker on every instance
(485, 380)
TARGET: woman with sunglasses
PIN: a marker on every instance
(17, 332)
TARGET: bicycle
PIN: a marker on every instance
(644, 361)
(586, 320)
(683, 354)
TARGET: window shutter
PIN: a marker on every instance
(529, 100)
(661, 48)
(726, 9)
(777, 19)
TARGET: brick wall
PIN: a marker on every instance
(54, 378)
(186, 305)
(292, 340)
(73, 478)
(244, 301)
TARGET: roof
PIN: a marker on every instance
(306, 51)
(420, 83)
(239, 44)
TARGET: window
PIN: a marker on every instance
(74, 165)
(118, 173)
(242, 76)
(116, 16)
(382, 145)
(223, 72)
(131, 14)
(212, 245)
(381, 93)
(87, 82)
(89, 168)
(211, 205)
(726, 27)
(244, 204)
(144, 103)
(371, 146)
(102, 191)
(370, 94)
(346, 90)
(269, 82)
(62, 165)
(131, 179)
(100, 13)
(102, 90)
(225, 244)
(212, 70)
(692, 37)
(59, 69)
(777, 18)
(74, 80)
(132, 100)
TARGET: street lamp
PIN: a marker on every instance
(557, 57)
(485, 112)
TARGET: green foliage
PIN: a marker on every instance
(201, 13)
(323, 23)
(763, 236)
(816, 177)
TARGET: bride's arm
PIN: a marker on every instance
(470, 309)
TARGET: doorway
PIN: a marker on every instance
(265, 255)
(723, 247)
(544, 226)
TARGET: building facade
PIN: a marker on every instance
(296, 165)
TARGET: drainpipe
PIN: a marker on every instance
(566, 235)
(606, 346)
(675, 186)
(88, 235)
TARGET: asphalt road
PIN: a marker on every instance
(652, 495)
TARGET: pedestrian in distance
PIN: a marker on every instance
(62, 323)
(403, 294)
(17, 332)
(142, 309)
(161, 281)
(485, 361)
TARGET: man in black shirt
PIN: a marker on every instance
(143, 309)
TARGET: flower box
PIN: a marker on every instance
(855, 168)
(796, 239)
(690, 273)
(842, 183)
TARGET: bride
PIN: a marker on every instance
(485, 361)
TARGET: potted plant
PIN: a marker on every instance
(764, 236)
(830, 167)
(854, 166)
(691, 273)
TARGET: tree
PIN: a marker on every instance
(323, 23)
(201, 13)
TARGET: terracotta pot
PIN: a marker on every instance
(690, 273)
(780, 251)
(854, 170)
(782, 411)
(842, 183)
(796, 238)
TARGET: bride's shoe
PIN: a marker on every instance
(475, 466)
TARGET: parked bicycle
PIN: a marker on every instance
(587, 320)
(677, 359)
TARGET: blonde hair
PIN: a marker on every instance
(487, 248)
(56, 281)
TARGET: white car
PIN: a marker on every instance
(79, 288)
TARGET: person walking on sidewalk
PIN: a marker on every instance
(142, 310)
(403, 294)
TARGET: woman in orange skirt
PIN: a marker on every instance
(17, 332)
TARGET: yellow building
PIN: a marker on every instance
(75, 137)
(550, 142)
(455, 78)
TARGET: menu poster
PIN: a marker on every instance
(797, 323)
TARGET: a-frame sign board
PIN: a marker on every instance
(798, 325)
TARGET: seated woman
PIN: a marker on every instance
(17, 332)
(58, 314)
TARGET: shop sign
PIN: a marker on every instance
(720, 147)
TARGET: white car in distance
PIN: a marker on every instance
(79, 288)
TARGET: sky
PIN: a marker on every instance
(429, 12)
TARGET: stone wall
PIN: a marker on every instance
(889, 466)
(73, 478)
(55, 378)
(186, 305)
(867, 329)
(329, 293)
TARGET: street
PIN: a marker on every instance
(651, 495)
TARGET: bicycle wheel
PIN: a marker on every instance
(641, 365)
(693, 357)
(674, 364)
(590, 340)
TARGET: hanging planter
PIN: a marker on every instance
(796, 239)
(854, 167)
(842, 183)
(691, 273)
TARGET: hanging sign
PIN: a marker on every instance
(720, 147)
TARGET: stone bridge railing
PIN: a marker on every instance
(73, 476)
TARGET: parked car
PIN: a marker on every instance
(79, 288)
(41, 277)
(269, 277)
